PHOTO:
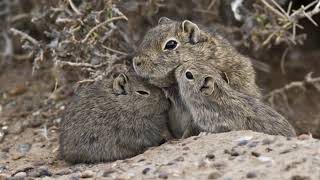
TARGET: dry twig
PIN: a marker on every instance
(290, 19)
(74, 8)
(84, 65)
(298, 84)
(25, 36)
(102, 24)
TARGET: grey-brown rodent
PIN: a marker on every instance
(172, 43)
(114, 119)
(216, 107)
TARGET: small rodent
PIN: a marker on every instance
(113, 119)
(172, 43)
(216, 107)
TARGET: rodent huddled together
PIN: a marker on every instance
(112, 119)
(182, 81)
(216, 107)
(173, 43)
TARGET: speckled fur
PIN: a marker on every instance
(226, 109)
(158, 66)
(100, 125)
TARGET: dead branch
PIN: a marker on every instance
(102, 24)
(289, 19)
(115, 51)
(297, 84)
(25, 36)
(82, 65)
(74, 8)
(283, 59)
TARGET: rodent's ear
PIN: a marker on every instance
(208, 86)
(225, 77)
(120, 84)
(192, 30)
(164, 20)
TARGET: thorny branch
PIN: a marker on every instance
(290, 19)
(25, 36)
(298, 84)
(85, 65)
(102, 24)
(74, 8)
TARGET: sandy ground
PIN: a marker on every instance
(228, 156)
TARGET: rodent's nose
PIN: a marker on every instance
(189, 75)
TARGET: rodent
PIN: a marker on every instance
(216, 107)
(112, 119)
(172, 43)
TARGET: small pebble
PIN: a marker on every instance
(251, 175)
(299, 177)
(244, 138)
(17, 156)
(214, 175)
(196, 138)
(185, 148)
(256, 154)
(285, 151)
(201, 164)
(2, 167)
(40, 172)
(266, 141)
(145, 170)
(107, 172)
(64, 172)
(87, 174)
(75, 177)
(268, 149)
(210, 156)
(253, 144)
(21, 174)
(232, 152)
(163, 175)
(219, 165)
(265, 159)
(2, 135)
(179, 159)
(24, 148)
(16, 128)
(170, 163)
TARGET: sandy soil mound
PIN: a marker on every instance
(233, 155)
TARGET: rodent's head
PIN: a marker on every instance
(163, 49)
(135, 95)
(198, 79)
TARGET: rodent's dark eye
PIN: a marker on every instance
(189, 75)
(144, 93)
(170, 45)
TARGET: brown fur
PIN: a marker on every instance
(110, 120)
(158, 66)
(216, 107)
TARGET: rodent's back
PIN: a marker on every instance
(99, 125)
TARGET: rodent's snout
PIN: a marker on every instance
(189, 75)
